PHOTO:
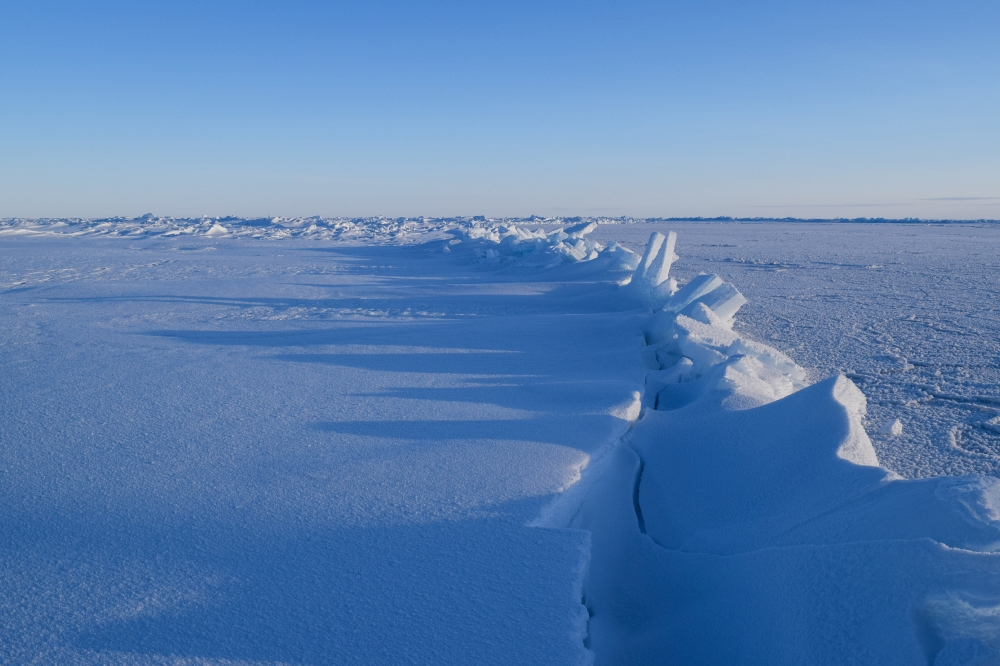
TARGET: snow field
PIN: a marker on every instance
(224, 451)
(221, 451)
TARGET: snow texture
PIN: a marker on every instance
(906, 311)
(460, 441)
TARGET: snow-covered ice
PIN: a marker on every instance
(907, 311)
(315, 441)
(296, 453)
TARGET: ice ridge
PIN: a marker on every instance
(745, 517)
(532, 242)
(367, 229)
(537, 247)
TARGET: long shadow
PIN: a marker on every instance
(389, 333)
(301, 591)
(383, 256)
(403, 300)
(468, 363)
(489, 390)
(448, 302)
(418, 280)
(533, 429)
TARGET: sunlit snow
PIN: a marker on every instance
(335, 441)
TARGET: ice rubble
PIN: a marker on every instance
(745, 517)
(368, 229)
(493, 243)
(531, 242)
(496, 240)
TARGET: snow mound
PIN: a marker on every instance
(216, 230)
(745, 517)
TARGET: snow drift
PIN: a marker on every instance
(745, 517)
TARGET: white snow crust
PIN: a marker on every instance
(458, 440)
(906, 311)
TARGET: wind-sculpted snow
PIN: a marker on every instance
(745, 518)
(906, 311)
(237, 445)
(228, 450)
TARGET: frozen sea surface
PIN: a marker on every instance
(459, 441)
(910, 312)
(290, 452)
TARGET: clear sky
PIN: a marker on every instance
(812, 109)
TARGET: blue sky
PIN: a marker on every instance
(819, 109)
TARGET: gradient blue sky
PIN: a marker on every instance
(818, 109)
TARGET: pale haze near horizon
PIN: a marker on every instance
(501, 109)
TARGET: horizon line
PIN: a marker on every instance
(621, 219)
